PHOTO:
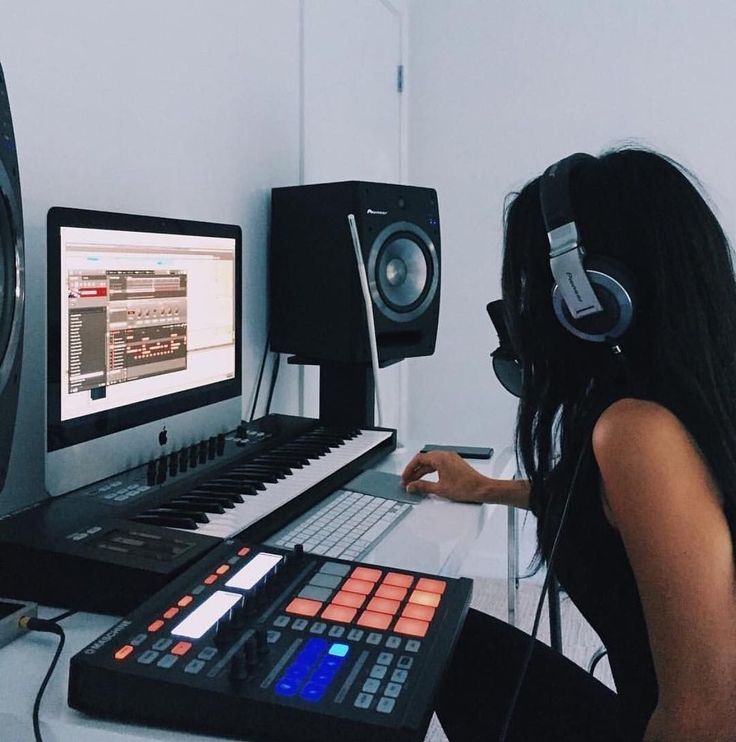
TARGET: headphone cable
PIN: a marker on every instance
(545, 588)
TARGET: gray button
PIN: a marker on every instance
(335, 568)
(299, 624)
(392, 690)
(371, 685)
(363, 701)
(194, 667)
(168, 660)
(399, 676)
(94, 529)
(233, 560)
(355, 635)
(136, 641)
(374, 638)
(315, 593)
(336, 632)
(318, 628)
(385, 658)
(207, 653)
(412, 645)
(162, 644)
(393, 642)
(405, 662)
(148, 657)
(197, 590)
(378, 672)
(322, 580)
(281, 621)
(386, 705)
(273, 636)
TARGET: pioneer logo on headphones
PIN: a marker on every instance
(573, 286)
(377, 213)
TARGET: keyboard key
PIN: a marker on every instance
(385, 705)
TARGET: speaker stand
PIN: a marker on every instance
(346, 391)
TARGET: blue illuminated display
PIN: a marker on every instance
(312, 670)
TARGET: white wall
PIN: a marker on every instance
(182, 108)
(500, 90)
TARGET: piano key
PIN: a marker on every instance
(171, 521)
(180, 510)
(278, 493)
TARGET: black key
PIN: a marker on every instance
(263, 476)
(215, 497)
(204, 505)
(256, 484)
(231, 488)
(167, 520)
(181, 510)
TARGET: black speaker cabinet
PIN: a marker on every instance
(12, 293)
(316, 305)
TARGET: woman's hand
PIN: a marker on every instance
(460, 482)
(457, 479)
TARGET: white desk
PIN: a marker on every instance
(437, 536)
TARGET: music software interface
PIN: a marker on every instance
(143, 314)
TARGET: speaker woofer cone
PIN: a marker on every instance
(403, 271)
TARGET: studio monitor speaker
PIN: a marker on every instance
(316, 306)
(12, 294)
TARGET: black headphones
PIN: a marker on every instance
(593, 296)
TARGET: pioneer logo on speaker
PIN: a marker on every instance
(376, 213)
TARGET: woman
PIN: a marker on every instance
(647, 548)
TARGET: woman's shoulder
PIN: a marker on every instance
(631, 414)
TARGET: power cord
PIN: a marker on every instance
(50, 627)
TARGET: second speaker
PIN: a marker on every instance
(316, 304)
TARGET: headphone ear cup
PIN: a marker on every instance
(616, 292)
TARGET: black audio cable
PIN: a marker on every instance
(274, 376)
(545, 587)
(260, 378)
(50, 627)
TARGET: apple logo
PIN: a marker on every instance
(163, 437)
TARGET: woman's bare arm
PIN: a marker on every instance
(667, 508)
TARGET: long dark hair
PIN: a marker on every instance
(645, 211)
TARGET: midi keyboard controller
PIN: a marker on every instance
(262, 643)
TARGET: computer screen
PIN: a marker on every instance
(143, 327)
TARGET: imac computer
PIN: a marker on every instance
(144, 329)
